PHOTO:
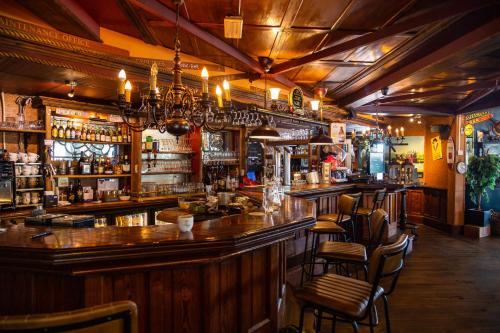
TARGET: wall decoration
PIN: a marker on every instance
(296, 101)
(469, 130)
(437, 152)
(477, 117)
(450, 152)
(338, 132)
(412, 150)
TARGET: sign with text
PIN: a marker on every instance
(296, 100)
(167, 65)
(437, 152)
(477, 117)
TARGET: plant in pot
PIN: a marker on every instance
(482, 173)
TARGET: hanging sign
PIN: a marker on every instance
(166, 65)
(296, 101)
(477, 117)
(437, 152)
(450, 152)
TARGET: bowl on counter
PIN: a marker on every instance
(124, 197)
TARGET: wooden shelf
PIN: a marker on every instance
(167, 173)
(299, 156)
(30, 163)
(288, 142)
(93, 176)
(29, 189)
(29, 176)
(16, 130)
(92, 142)
(171, 152)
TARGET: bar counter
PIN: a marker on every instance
(227, 274)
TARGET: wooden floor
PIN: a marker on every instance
(450, 285)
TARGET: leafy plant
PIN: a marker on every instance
(482, 173)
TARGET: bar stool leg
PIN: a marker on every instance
(334, 324)
(319, 317)
(304, 259)
(370, 320)
(301, 320)
(387, 317)
(355, 327)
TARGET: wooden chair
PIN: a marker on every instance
(350, 299)
(116, 317)
(377, 202)
(340, 253)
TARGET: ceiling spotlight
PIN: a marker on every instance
(412, 120)
(72, 85)
(384, 91)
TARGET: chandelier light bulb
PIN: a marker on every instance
(227, 92)
(204, 73)
(204, 80)
(122, 76)
(128, 91)
(412, 120)
(218, 92)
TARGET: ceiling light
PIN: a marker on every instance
(315, 105)
(264, 132)
(275, 93)
(72, 85)
(321, 139)
(411, 120)
(233, 27)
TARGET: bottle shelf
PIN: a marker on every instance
(166, 173)
(30, 205)
(21, 130)
(171, 152)
(29, 189)
(125, 175)
(28, 176)
(92, 142)
(28, 163)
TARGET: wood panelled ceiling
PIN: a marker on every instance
(389, 36)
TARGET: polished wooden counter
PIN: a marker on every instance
(226, 274)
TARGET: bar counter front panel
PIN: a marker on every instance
(227, 275)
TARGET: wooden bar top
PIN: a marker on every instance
(310, 189)
(208, 239)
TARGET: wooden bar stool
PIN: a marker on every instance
(377, 202)
(350, 299)
(330, 226)
(340, 253)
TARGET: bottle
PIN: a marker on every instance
(126, 164)
(84, 165)
(108, 167)
(100, 166)
(83, 135)
(149, 143)
(60, 131)
(119, 137)
(54, 131)
(72, 131)
(114, 137)
(78, 131)
(79, 192)
(108, 135)
(129, 136)
(92, 134)
(94, 166)
(67, 131)
(71, 193)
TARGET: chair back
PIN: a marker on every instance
(356, 196)
(380, 223)
(117, 317)
(378, 198)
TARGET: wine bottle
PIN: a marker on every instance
(72, 131)
(126, 164)
(78, 131)
(54, 131)
(83, 135)
(67, 131)
(79, 192)
(60, 131)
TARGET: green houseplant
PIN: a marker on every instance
(482, 173)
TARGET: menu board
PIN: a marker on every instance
(296, 100)
(376, 162)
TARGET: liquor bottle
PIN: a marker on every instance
(92, 134)
(71, 193)
(126, 164)
(129, 135)
(78, 131)
(119, 137)
(54, 131)
(108, 167)
(72, 131)
(100, 166)
(114, 137)
(60, 131)
(108, 135)
(94, 166)
(67, 131)
(149, 143)
(79, 192)
(83, 135)
(84, 165)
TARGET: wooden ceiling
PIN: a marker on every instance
(434, 56)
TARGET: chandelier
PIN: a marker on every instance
(178, 107)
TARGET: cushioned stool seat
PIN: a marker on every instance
(339, 294)
(342, 251)
(327, 228)
(334, 218)
(365, 211)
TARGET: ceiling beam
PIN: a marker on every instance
(492, 101)
(475, 97)
(159, 10)
(147, 34)
(464, 34)
(405, 109)
(437, 13)
(448, 90)
(65, 15)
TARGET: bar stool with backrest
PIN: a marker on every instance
(377, 202)
(346, 208)
(116, 317)
(350, 299)
(340, 253)
(346, 212)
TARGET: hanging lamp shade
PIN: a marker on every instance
(264, 132)
(320, 139)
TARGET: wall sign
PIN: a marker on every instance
(338, 132)
(468, 130)
(450, 152)
(296, 100)
(477, 117)
(437, 152)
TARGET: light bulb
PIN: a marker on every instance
(275, 93)
(315, 105)
(122, 75)
(218, 91)
(204, 73)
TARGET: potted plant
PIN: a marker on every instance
(482, 173)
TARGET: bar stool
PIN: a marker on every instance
(339, 253)
(347, 213)
(377, 202)
(347, 205)
(350, 299)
